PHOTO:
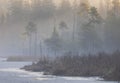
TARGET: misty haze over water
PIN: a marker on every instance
(61, 41)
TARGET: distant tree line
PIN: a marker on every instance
(36, 10)
(103, 65)
(92, 32)
(93, 29)
(90, 48)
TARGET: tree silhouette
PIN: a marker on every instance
(63, 25)
(87, 36)
(65, 7)
(31, 29)
(54, 42)
(112, 29)
(116, 7)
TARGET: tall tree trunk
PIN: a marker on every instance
(41, 53)
(23, 48)
(30, 43)
(35, 45)
(74, 21)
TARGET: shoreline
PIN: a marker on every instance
(83, 66)
(40, 76)
(95, 78)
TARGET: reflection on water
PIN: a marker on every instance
(10, 73)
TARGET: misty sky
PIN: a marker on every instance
(11, 39)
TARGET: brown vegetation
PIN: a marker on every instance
(103, 65)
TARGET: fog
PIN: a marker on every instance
(48, 15)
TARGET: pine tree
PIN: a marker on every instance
(94, 16)
(5, 10)
(116, 7)
(18, 10)
(112, 29)
(88, 38)
(107, 6)
(54, 42)
(65, 6)
(101, 8)
(48, 8)
(63, 25)
(84, 7)
(30, 30)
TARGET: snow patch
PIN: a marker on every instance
(82, 78)
(3, 59)
(25, 73)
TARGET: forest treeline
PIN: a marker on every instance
(91, 32)
(90, 29)
(21, 10)
(103, 65)
(88, 48)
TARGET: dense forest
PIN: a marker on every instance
(84, 39)
(103, 65)
(80, 27)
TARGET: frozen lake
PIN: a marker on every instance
(10, 73)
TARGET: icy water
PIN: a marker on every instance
(10, 73)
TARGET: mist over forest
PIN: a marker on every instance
(42, 27)
(62, 41)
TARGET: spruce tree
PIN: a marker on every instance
(54, 42)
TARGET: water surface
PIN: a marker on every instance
(10, 72)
